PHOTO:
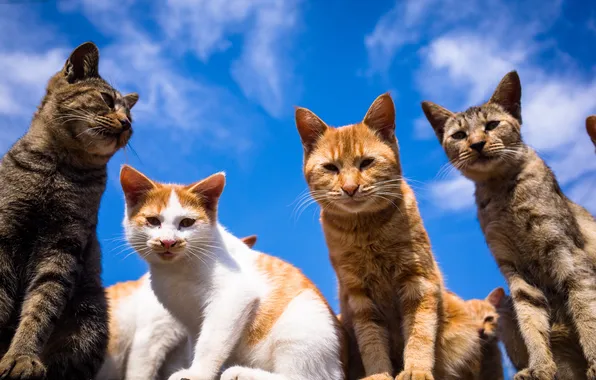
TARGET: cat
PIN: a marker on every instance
(567, 353)
(390, 286)
(53, 317)
(485, 314)
(591, 128)
(146, 341)
(249, 312)
(544, 244)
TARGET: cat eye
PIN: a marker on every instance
(108, 99)
(331, 167)
(491, 125)
(366, 163)
(187, 222)
(489, 319)
(153, 221)
(459, 135)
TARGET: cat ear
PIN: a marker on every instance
(209, 189)
(250, 240)
(508, 95)
(83, 63)
(495, 297)
(380, 117)
(591, 127)
(310, 127)
(131, 99)
(437, 116)
(134, 184)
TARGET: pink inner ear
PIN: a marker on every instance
(495, 297)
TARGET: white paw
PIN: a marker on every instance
(185, 374)
(240, 373)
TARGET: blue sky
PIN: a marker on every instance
(218, 81)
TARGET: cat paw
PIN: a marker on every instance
(379, 376)
(546, 373)
(415, 375)
(21, 367)
(239, 373)
(185, 374)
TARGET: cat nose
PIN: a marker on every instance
(350, 188)
(125, 123)
(168, 243)
(478, 146)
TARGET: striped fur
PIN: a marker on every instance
(390, 287)
(53, 318)
(544, 244)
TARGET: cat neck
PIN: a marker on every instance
(511, 174)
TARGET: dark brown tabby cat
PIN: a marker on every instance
(544, 244)
(53, 318)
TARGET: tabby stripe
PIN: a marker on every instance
(520, 295)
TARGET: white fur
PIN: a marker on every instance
(151, 344)
(213, 288)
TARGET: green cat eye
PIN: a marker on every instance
(187, 222)
(153, 221)
(459, 135)
(491, 125)
(331, 167)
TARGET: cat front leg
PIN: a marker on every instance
(46, 297)
(371, 335)
(533, 315)
(582, 307)
(225, 320)
(420, 299)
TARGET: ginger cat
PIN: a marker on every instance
(146, 341)
(591, 128)
(246, 311)
(485, 314)
(567, 353)
(390, 287)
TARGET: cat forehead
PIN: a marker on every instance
(474, 116)
(354, 140)
(171, 201)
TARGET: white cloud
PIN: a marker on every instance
(455, 194)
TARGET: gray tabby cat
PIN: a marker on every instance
(53, 317)
(544, 244)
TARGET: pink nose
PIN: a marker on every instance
(168, 243)
(350, 188)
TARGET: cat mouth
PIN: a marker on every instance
(167, 255)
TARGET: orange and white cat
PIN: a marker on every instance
(146, 341)
(254, 315)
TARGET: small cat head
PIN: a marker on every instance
(353, 168)
(591, 128)
(485, 313)
(165, 223)
(482, 141)
(82, 110)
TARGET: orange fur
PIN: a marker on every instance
(390, 287)
(591, 128)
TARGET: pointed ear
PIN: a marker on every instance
(83, 63)
(380, 117)
(508, 95)
(131, 99)
(310, 127)
(134, 184)
(495, 297)
(250, 240)
(209, 190)
(437, 116)
(591, 128)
